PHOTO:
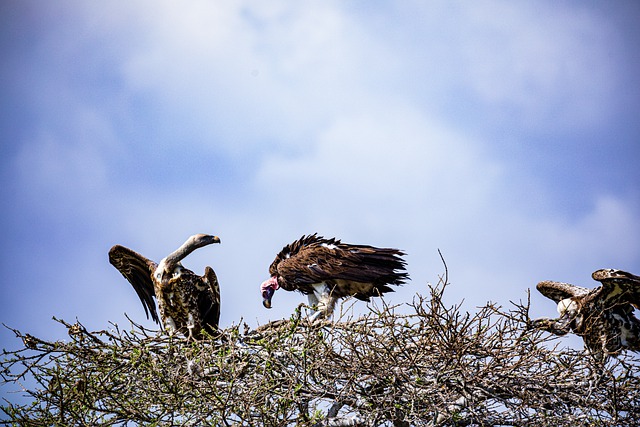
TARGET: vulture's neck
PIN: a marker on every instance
(173, 259)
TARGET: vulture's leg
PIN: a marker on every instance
(191, 324)
(170, 325)
(313, 300)
(324, 300)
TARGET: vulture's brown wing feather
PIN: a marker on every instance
(558, 291)
(377, 265)
(618, 287)
(138, 270)
(363, 264)
(209, 302)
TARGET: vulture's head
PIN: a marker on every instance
(568, 309)
(268, 287)
(200, 240)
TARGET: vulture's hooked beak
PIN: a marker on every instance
(268, 287)
(266, 297)
(564, 322)
(558, 326)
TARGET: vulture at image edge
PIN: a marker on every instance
(603, 316)
(188, 303)
(327, 270)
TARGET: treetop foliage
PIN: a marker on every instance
(435, 366)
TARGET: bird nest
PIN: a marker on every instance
(430, 365)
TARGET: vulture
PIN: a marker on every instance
(327, 270)
(188, 303)
(603, 316)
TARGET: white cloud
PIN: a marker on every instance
(388, 159)
(539, 64)
(57, 162)
(605, 234)
(243, 74)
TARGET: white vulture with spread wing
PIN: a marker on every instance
(188, 303)
(603, 316)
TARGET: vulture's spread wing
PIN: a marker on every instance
(138, 271)
(618, 287)
(559, 291)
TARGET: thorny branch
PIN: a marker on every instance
(435, 366)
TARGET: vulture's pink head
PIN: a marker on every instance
(268, 287)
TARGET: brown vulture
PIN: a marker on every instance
(603, 316)
(327, 270)
(188, 303)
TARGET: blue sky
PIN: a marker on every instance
(503, 133)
